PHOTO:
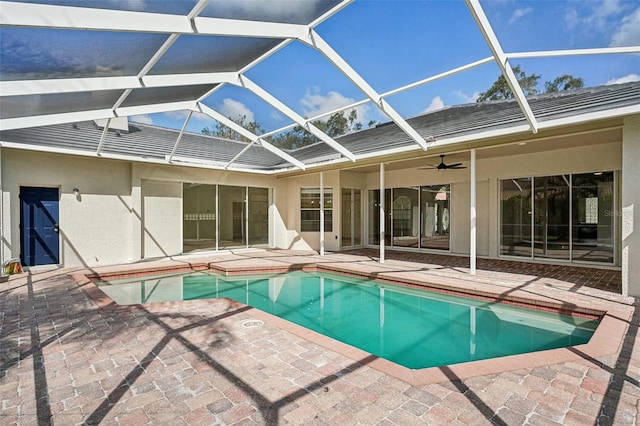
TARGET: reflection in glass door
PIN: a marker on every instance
(406, 220)
(351, 217)
(436, 216)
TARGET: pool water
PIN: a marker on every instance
(411, 327)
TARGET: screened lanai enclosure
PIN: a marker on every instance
(104, 107)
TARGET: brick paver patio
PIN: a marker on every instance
(67, 358)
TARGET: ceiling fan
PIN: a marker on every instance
(443, 166)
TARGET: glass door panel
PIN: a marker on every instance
(551, 215)
(515, 214)
(258, 216)
(199, 217)
(406, 221)
(592, 211)
(374, 217)
(351, 217)
(233, 223)
(435, 213)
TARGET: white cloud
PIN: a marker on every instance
(436, 104)
(606, 9)
(599, 17)
(315, 103)
(519, 13)
(143, 119)
(467, 99)
(626, 79)
(628, 34)
(177, 115)
(235, 109)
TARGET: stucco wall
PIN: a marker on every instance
(125, 211)
(162, 218)
(94, 227)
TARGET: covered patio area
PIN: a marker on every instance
(71, 356)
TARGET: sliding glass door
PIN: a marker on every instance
(415, 217)
(222, 217)
(566, 217)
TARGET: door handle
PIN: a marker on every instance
(56, 228)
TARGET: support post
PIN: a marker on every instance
(382, 214)
(321, 213)
(472, 233)
(629, 213)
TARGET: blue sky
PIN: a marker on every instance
(394, 43)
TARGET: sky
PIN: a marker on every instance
(395, 43)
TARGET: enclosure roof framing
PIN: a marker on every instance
(151, 73)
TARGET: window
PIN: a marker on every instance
(310, 209)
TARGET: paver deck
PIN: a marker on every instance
(70, 356)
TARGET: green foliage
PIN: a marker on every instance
(222, 131)
(500, 89)
(564, 82)
(337, 124)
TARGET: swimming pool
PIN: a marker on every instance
(411, 327)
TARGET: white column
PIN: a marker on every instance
(1, 216)
(321, 213)
(630, 203)
(382, 215)
(472, 233)
(137, 227)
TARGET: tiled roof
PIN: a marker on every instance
(150, 142)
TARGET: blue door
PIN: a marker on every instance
(39, 238)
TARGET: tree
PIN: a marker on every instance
(222, 131)
(337, 124)
(501, 90)
(564, 82)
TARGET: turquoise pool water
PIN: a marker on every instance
(413, 328)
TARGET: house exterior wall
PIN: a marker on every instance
(94, 227)
(138, 206)
(125, 212)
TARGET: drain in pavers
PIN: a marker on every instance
(252, 323)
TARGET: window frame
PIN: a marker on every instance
(310, 212)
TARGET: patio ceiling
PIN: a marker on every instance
(69, 61)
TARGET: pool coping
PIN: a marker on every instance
(606, 340)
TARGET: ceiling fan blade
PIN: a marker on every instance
(456, 166)
(427, 168)
(450, 166)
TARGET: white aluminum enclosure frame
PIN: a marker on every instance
(32, 15)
